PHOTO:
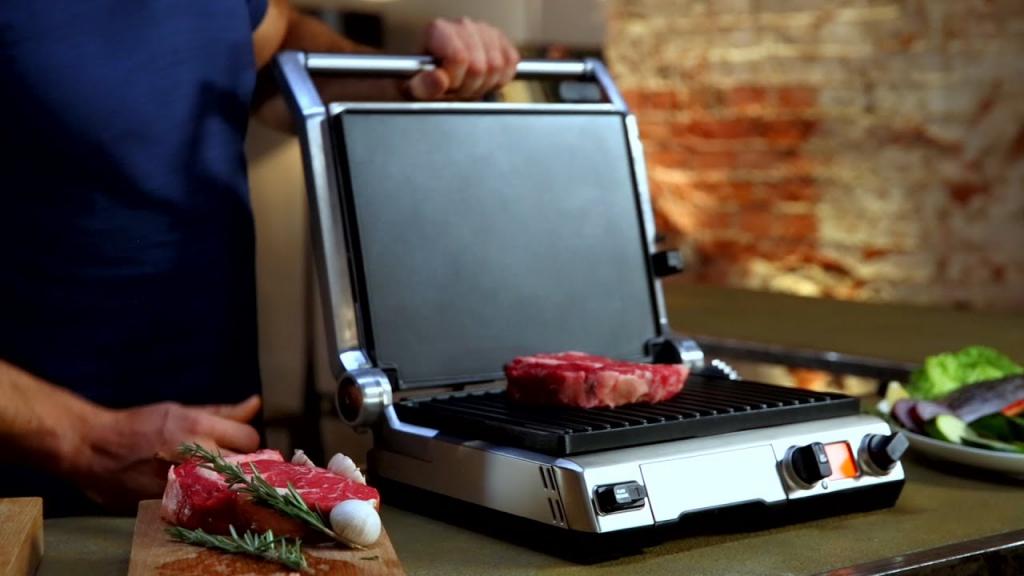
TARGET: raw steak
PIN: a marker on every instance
(585, 381)
(199, 498)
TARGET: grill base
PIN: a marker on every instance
(705, 407)
(681, 477)
(590, 548)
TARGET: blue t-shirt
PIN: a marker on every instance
(126, 236)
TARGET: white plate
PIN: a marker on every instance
(1003, 462)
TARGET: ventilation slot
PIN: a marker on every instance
(543, 478)
(557, 512)
(551, 483)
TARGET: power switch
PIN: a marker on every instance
(618, 497)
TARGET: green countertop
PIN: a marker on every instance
(890, 331)
(935, 508)
(938, 506)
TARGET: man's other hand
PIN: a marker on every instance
(475, 58)
(129, 451)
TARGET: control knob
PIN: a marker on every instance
(807, 465)
(879, 453)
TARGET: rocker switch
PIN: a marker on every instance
(618, 497)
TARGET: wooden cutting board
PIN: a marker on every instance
(21, 535)
(154, 554)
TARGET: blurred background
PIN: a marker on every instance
(866, 150)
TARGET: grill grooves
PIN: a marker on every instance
(706, 406)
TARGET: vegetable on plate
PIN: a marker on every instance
(973, 397)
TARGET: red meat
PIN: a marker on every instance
(586, 381)
(199, 498)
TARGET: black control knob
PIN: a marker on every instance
(810, 463)
(883, 451)
(617, 497)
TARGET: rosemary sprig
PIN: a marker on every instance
(256, 487)
(276, 549)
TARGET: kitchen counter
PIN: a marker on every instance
(939, 506)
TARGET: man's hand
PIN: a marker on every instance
(129, 451)
(117, 456)
(475, 58)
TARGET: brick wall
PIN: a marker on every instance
(869, 150)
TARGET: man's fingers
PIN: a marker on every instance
(476, 68)
(475, 57)
(227, 434)
(511, 60)
(243, 411)
(443, 42)
(429, 85)
(492, 42)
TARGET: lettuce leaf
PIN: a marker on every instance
(945, 373)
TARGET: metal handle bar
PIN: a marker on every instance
(391, 65)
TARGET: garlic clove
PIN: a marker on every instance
(300, 459)
(344, 466)
(355, 522)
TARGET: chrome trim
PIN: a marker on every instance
(397, 65)
(723, 368)
(362, 396)
(330, 248)
(354, 359)
(343, 107)
(713, 480)
(690, 353)
(390, 65)
(604, 80)
(643, 193)
(469, 471)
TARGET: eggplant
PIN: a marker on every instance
(901, 412)
(979, 400)
(925, 411)
(914, 414)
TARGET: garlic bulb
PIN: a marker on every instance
(301, 459)
(355, 522)
(344, 466)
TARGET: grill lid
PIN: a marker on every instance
(478, 236)
(706, 406)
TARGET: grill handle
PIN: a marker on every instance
(404, 66)
(379, 65)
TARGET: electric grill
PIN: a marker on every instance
(452, 237)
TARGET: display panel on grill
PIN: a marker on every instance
(706, 406)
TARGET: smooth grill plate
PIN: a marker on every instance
(705, 407)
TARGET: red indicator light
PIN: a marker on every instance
(840, 457)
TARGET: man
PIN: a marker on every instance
(127, 313)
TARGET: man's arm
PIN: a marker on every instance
(117, 456)
(475, 58)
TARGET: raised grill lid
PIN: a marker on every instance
(706, 406)
(479, 236)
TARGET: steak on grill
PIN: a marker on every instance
(199, 498)
(586, 381)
